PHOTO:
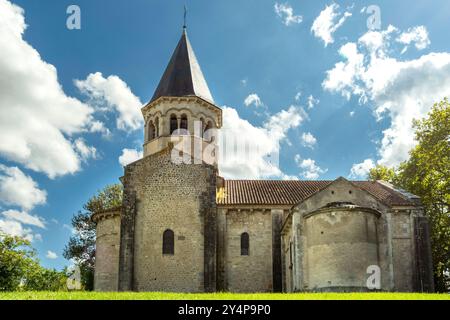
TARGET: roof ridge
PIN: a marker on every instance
(277, 180)
(291, 192)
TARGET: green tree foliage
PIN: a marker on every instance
(81, 246)
(42, 279)
(16, 256)
(382, 173)
(427, 174)
(20, 269)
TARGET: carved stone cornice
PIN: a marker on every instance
(106, 214)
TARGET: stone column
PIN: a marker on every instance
(208, 209)
(277, 216)
(424, 263)
(126, 258)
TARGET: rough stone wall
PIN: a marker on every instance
(286, 257)
(252, 273)
(107, 254)
(277, 217)
(339, 191)
(403, 251)
(221, 248)
(177, 197)
(208, 210)
(127, 224)
(394, 250)
(424, 280)
(341, 244)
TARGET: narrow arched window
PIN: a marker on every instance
(168, 242)
(291, 259)
(207, 135)
(202, 126)
(157, 127)
(173, 123)
(184, 123)
(151, 131)
(245, 244)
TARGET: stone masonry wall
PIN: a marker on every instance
(107, 254)
(252, 273)
(180, 198)
(403, 250)
(341, 244)
(340, 190)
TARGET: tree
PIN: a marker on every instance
(81, 246)
(20, 269)
(16, 256)
(382, 173)
(427, 174)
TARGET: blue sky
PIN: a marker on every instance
(366, 85)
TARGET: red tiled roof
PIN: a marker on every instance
(383, 193)
(279, 192)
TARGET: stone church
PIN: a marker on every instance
(184, 228)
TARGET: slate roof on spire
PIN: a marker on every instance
(183, 76)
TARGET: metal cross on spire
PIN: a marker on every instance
(185, 14)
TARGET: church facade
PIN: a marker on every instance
(184, 228)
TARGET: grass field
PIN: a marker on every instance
(216, 296)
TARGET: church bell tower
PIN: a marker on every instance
(168, 219)
(182, 104)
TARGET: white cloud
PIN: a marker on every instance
(85, 152)
(37, 118)
(417, 35)
(298, 95)
(129, 155)
(253, 99)
(51, 255)
(259, 159)
(18, 189)
(361, 170)
(402, 90)
(108, 94)
(308, 140)
(24, 217)
(289, 177)
(278, 124)
(342, 77)
(98, 126)
(326, 24)
(311, 170)
(15, 228)
(286, 13)
(312, 102)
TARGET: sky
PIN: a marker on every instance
(331, 87)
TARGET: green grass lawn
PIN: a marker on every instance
(216, 296)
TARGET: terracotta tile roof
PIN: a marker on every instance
(278, 192)
(383, 193)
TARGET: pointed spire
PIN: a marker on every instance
(183, 76)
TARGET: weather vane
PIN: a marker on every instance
(185, 14)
